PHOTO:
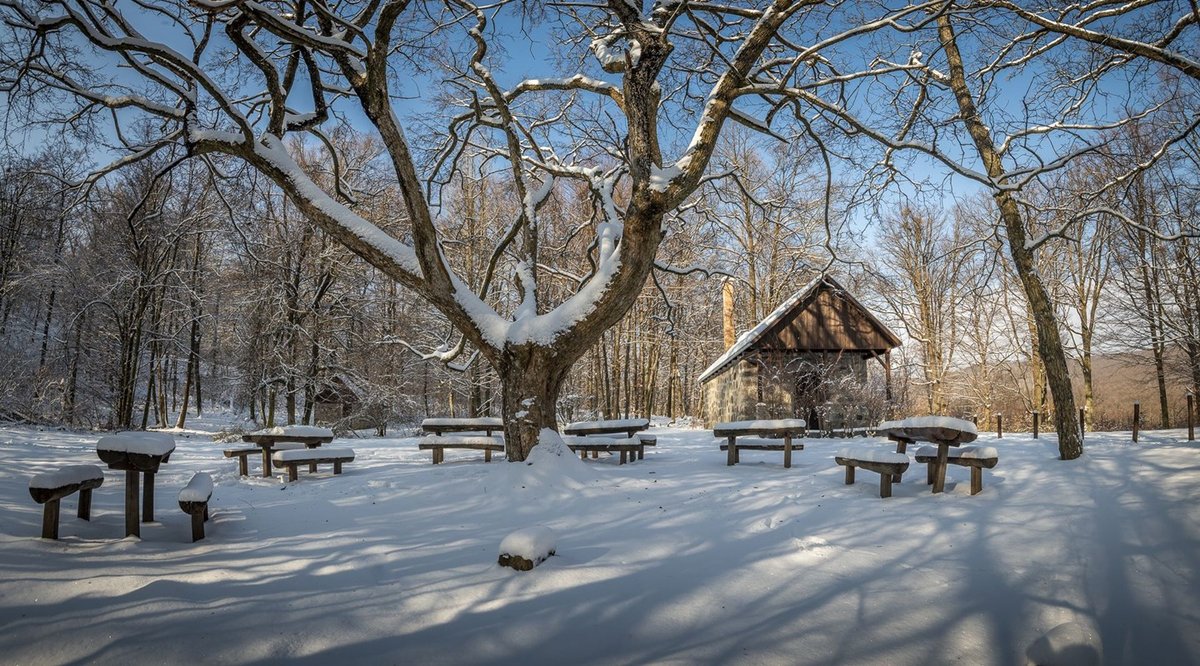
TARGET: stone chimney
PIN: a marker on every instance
(727, 312)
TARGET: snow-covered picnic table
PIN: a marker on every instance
(269, 439)
(441, 424)
(942, 431)
(785, 429)
(136, 452)
(629, 427)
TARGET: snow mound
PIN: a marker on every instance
(1068, 644)
(199, 489)
(550, 471)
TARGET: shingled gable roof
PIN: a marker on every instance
(788, 310)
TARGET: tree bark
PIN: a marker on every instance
(530, 381)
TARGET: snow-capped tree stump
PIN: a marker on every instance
(526, 548)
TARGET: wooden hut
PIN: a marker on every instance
(337, 398)
(790, 363)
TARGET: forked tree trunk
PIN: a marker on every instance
(530, 380)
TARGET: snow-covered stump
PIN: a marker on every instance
(526, 548)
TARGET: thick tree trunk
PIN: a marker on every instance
(1049, 344)
(530, 380)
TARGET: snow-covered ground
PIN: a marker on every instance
(674, 559)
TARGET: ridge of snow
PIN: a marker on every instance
(871, 455)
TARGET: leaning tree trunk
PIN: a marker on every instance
(530, 380)
(1049, 344)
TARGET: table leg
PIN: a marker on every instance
(731, 458)
(266, 462)
(787, 451)
(312, 467)
(147, 497)
(901, 447)
(131, 504)
(939, 479)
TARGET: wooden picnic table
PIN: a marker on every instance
(134, 452)
(310, 436)
(629, 427)
(942, 431)
(439, 425)
(785, 429)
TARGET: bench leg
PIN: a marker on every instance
(243, 466)
(901, 447)
(595, 455)
(312, 468)
(206, 511)
(50, 520)
(731, 453)
(266, 462)
(787, 451)
(849, 475)
(131, 504)
(976, 480)
(885, 485)
(487, 455)
(337, 467)
(85, 504)
(148, 497)
(929, 474)
(198, 525)
(641, 452)
(624, 457)
(583, 454)
(293, 473)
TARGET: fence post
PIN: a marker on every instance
(999, 426)
(1035, 424)
(1137, 417)
(1082, 425)
(1191, 419)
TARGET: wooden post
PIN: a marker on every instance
(131, 504)
(147, 497)
(787, 451)
(999, 426)
(1137, 417)
(1191, 419)
(1082, 424)
(198, 525)
(939, 478)
(1035, 424)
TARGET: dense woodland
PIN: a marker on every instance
(187, 237)
(139, 300)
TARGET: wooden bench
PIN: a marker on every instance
(193, 499)
(627, 427)
(50, 487)
(442, 425)
(884, 463)
(242, 454)
(785, 429)
(978, 458)
(311, 457)
(439, 443)
(628, 449)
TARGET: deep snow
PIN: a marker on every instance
(674, 559)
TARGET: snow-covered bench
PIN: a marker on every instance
(439, 443)
(242, 453)
(773, 429)
(193, 499)
(291, 459)
(978, 458)
(886, 464)
(629, 448)
(442, 425)
(628, 427)
(49, 488)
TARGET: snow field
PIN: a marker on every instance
(674, 559)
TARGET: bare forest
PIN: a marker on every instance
(262, 202)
